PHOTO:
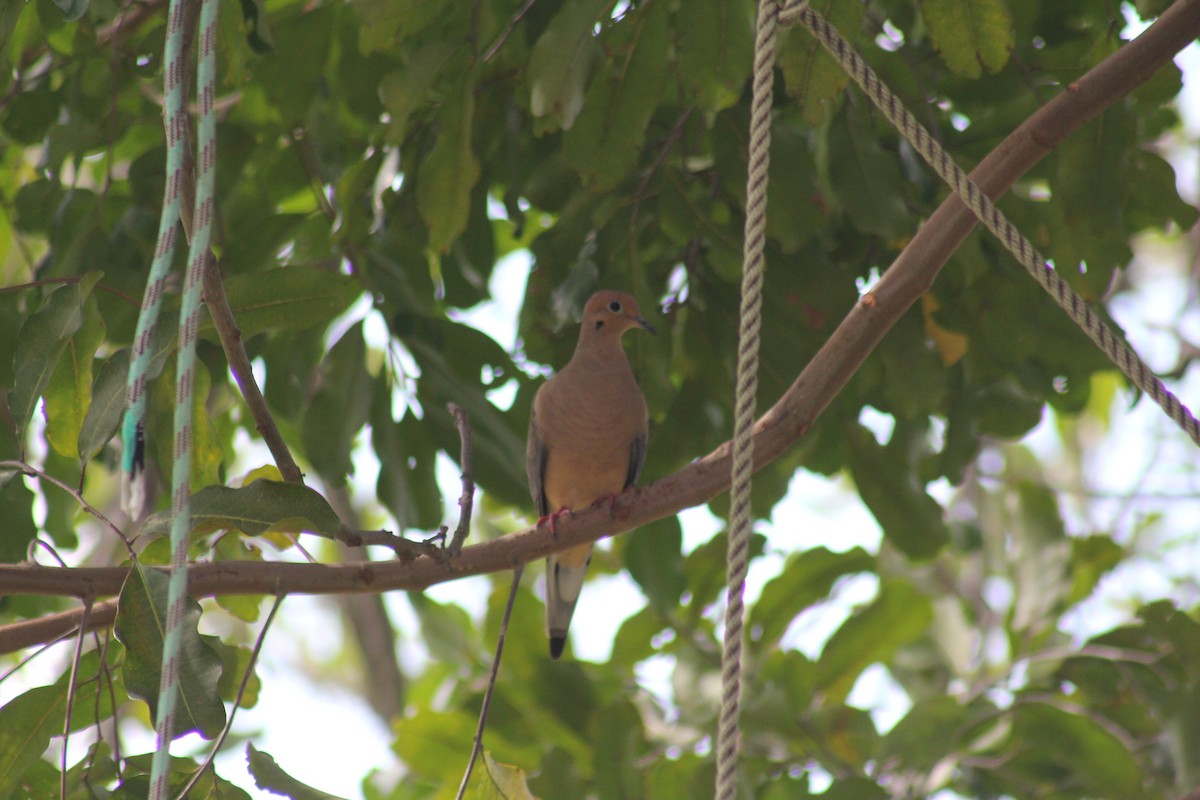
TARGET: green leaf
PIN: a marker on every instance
(654, 559)
(922, 736)
(291, 76)
(1041, 559)
(339, 409)
(73, 10)
(27, 723)
(604, 144)
(69, 392)
(1062, 750)
(11, 318)
(704, 569)
(289, 299)
(108, 403)
(792, 215)
(28, 117)
(715, 43)
(407, 483)
(387, 22)
(897, 616)
(1092, 203)
(404, 91)
(448, 173)
(447, 630)
(16, 509)
(207, 453)
(262, 507)
(431, 742)
(805, 579)
(1154, 196)
(811, 75)
(501, 781)
(890, 487)
(257, 26)
(270, 777)
(634, 641)
(971, 35)
(619, 726)
(141, 626)
(562, 63)
(234, 663)
(868, 183)
(452, 358)
(1092, 557)
(41, 342)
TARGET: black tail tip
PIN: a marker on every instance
(557, 643)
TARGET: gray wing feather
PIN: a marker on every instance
(535, 467)
(637, 457)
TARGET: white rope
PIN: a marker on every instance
(737, 558)
(1076, 307)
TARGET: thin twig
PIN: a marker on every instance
(49, 548)
(21, 664)
(239, 363)
(237, 700)
(405, 549)
(477, 745)
(83, 630)
(28, 469)
(112, 698)
(508, 29)
(672, 136)
(466, 500)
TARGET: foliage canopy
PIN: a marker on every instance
(378, 159)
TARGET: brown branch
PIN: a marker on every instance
(239, 363)
(466, 500)
(508, 29)
(909, 276)
(228, 332)
(54, 627)
(405, 549)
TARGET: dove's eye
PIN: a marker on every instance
(614, 307)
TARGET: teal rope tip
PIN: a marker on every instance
(133, 466)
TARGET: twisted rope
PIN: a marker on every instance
(737, 557)
(133, 494)
(975, 199)
(189, 323)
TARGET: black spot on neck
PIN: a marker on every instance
(599, 324)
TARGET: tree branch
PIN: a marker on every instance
(466, 500)
(820, 381)
(217, 303)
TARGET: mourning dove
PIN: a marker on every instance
(587, 441)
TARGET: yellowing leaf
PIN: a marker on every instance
(69, 392)
(268, 471)
(951, 345)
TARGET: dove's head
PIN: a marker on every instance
(608, 314)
